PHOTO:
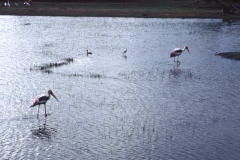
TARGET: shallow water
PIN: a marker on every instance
(143, 106)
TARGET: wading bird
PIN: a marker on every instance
(43, 100)
(177, 52)
(88, 52)
(124, 53)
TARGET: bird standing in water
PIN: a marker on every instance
(177, 52)
(43, 100)
(125, 53)
(88, 52)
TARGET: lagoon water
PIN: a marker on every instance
(143, 106)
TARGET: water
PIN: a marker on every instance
(143, 106)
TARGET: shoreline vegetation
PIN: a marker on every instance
(138, 9)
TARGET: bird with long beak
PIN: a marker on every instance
(177, 52)
(43, 100)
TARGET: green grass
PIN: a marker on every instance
(149, 9)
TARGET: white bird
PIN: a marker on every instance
(177, 52)
(16, 4)
(27, 3)
(43, 100)
(8, 4)
(88, 52)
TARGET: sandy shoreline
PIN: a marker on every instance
(171, 9)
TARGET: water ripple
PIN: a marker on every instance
(144, 106)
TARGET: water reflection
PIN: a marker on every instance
(229, 21)
(177, 72)
(43, 131)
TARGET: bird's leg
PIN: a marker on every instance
(38, 110)
(177, 58)
(174, 59)
(45, 109)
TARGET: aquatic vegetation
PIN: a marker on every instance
(229, 55)
(46, 68)
(90, 75)
(186, 73)
(215, 119)
(48, 45)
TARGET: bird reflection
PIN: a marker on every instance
(43, 130)
(175, 72)
(124, 56)
(178, 63)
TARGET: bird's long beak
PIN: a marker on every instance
(54, 96)
(188, 50)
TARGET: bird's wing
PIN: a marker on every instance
(177, 50)
(43, 98)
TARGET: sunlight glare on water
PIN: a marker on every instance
(139, 106)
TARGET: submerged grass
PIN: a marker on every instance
(90, 75)
(230, 55)
(46, 68)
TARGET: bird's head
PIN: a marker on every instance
(186, 47)
(51, 93)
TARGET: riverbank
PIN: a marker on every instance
(169, 9)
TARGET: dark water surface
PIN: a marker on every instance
(143, 106)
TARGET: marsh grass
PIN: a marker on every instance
(46, 68)
(90, 75)
(154, 73)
